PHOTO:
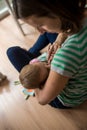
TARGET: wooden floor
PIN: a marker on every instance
(16, 113)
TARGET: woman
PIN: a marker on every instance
(66, 85)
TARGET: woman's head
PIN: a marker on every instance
(68, 12)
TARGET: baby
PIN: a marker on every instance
(36, 72)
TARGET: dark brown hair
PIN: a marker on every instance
(69, 11)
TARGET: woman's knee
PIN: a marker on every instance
(13, 51)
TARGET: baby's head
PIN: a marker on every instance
(33, 75)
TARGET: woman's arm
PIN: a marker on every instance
(53, 86)
(56, 45)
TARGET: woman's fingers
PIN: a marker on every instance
(50, 51)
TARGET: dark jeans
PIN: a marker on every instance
(57, 104)
(42, 42)
(20, 57)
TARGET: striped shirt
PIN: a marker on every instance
(71, 61)
(42, 57)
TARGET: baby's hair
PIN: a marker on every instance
(29, 76)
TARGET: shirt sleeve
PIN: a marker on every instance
(66, 61)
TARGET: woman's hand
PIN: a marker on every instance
(52, 48)
(51, 51)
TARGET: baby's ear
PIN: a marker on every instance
(47, 66)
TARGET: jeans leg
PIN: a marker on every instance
(18, 57)
(57, 104)
(51, 37)
(41, 42)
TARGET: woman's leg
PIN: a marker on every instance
(18, 57)
(51, 37)
(42, 42)
(57, 104)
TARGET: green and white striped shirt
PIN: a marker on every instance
(71, 61)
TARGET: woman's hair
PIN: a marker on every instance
(69, 11)
(29, 76)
